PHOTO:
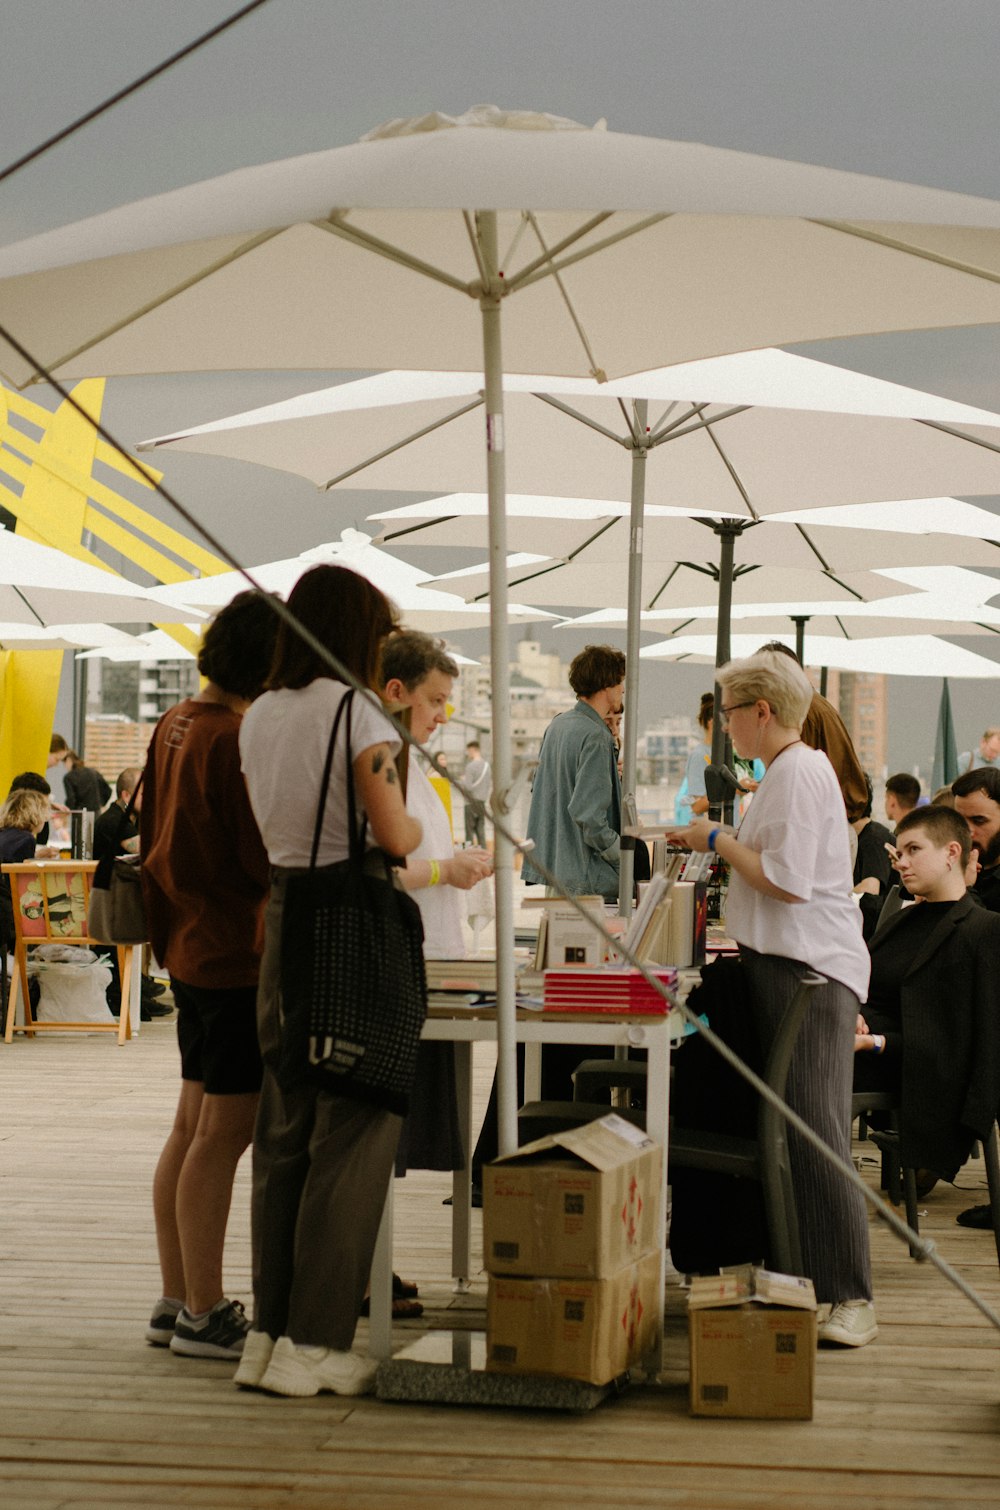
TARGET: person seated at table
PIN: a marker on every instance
(930, 1031)
(22, 818)
(31, 781)
(418, 675)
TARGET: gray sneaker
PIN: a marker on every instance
(219, 1334)
(161, 1323)
(850, 1324)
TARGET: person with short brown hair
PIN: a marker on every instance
(575, 816)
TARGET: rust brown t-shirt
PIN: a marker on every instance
(204, 866)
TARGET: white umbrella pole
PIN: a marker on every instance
(627, 871)
(503, 856)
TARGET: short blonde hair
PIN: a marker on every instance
(24, 809)
(776, 679)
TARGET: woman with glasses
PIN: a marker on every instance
(790, 910)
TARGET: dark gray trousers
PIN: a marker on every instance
(833, 1221)
(321, 1168)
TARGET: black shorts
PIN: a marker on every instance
(217, 1037)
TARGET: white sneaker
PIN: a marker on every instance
(257, 1350)
(850, 1324)
(301, 1370)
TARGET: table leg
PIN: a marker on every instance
(461, 1180)
(380, 1310)
(657, 1125)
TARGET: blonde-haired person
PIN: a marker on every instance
(790, 910)
(22, 818)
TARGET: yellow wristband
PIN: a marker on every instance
(435, 872)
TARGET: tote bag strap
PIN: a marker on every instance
(356, 840)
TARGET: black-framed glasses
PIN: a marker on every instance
(725, 712)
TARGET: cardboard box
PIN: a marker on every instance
(753, 1345)
(591, 1330)
(580, 1204)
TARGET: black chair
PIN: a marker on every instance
(763, 1158)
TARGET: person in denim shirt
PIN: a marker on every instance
(575, 817)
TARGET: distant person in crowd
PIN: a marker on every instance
(699, 758)
(825, 730)
(988, 753)
(902, 794)
(614, 724)
(322, 1160)
(944, 1064)
(22, 818)
(977, 800)
(418, 674)
(575, 815)
(31, 781)
(873, 874)
(943, 797)
(85, 788)
(111, 838)
(790, 910)
(205, 878)
(477, 777)
(111, 834)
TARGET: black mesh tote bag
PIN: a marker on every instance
(354, 991)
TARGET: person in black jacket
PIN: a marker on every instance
(931, 1026)
(872, 865)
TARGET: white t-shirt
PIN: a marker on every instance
(441, 907)
(796, 824)
(283, 743)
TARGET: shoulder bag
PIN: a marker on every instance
(116, 913)
(353, 987)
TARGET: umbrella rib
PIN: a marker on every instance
(477, 250)
(664, 431)
(415, 529)
(971, 440)
(408, 440)
(338, 227)
(664, 585)
(157, 303)
(696, 419)
(893, 245)
(544, 261)
(547, 398)
(737, 483)
(39, 621)
(523, 280)
(595, 371)
(859, 596)
(812, 546)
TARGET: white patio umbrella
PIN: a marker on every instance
(60, 636)
(422, 607)
(43, 587)
(739, 436)
(897, 655)
(613, 253)
(157, 645)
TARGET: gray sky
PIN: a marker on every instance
(903, 88)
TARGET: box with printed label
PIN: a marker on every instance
(587, 1329)
(580, 1204)
(753, 1345)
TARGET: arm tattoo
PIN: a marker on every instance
(390, 776)
(378, 761)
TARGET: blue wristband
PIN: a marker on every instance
(712, 833)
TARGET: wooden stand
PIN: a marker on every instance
(38, 920)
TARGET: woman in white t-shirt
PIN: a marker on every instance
(321, 1160)
(418, 676)
(790, 909)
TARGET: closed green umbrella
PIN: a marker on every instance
(945, 749)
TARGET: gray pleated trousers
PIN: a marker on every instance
(321, 1168)
(833, 1220)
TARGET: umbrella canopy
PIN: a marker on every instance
(421, 606)
(60, 637)
(154, 646)
(44, 587)
(900, 655)
(613, 253)
(945, 767)
(663, 250)
(741, 436)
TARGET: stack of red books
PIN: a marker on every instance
(618, 989)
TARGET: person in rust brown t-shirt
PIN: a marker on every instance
(205, 880)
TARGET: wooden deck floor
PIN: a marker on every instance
(90, 1416)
